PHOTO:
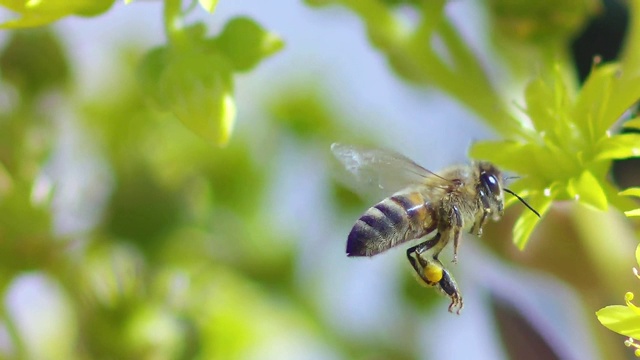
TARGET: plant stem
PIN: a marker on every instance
(173, 19)
(412, 55)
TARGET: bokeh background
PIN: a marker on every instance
(125, 236)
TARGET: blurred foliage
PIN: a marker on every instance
(632, 192)
(184, 258)
(38, 13)
(542, 21)
(191, 76)
(33, 62)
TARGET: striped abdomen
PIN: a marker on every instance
(392, 221)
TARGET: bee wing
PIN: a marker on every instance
(382, 171)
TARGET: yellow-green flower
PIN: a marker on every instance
(625, 320)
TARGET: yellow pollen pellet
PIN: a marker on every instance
(433, 273)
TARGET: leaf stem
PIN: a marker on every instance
(412, 55)
(173, 19)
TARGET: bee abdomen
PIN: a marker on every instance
(392, 221)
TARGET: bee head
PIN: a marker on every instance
(490, 188)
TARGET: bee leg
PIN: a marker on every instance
(425, 245)
(455, 229)
(446, 231)
(433, 269)
(433, 273)
(482, 219)
(429, 270)
(448, 285)
(418, 262)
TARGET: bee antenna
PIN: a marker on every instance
(522, 201)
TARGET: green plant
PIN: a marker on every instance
(192, 75)
(181, 209)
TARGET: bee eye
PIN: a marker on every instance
(490, 183)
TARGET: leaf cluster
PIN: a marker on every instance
(38, 13)
(567, 143)
(192, 76)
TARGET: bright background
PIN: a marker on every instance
(139, 240)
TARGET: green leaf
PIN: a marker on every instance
(509, 155)
(539, 98)
(627, 93)
(302, 111)
(592, 102)
(632, 213)
(319, 2)
(630, 192)
(627, 89)
(587, 190)
(245, 43)
(38, 13)
(549, 104)
(636, 212)
(194, 84)
(149, 73)
(540, 21)
(632, 124)
(528, 220)
(209, 5)
(630, 58)
(33, 61)
(638, 254)
(526, 186)
(506, 154)
(198, 89)
(90, 7)
(619, 147)
(620, 319)
(30, 20)
(608, 92)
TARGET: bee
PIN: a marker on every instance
(422, 204)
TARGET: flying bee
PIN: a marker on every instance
(425, 204)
